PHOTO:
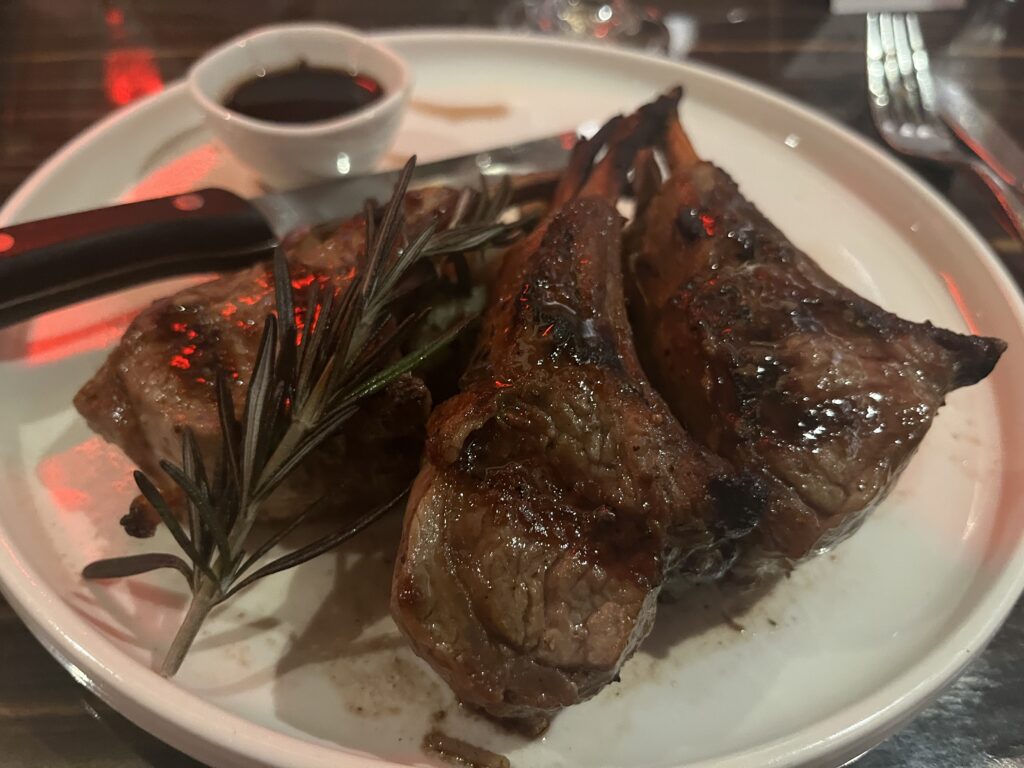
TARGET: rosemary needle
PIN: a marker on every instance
(301, 392)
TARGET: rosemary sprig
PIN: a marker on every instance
(302, 390)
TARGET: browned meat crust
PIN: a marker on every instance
(557, 491)
(162, 374)
(774, 365)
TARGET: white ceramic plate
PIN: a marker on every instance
(307, 669)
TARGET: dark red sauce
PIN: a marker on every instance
(304, 94)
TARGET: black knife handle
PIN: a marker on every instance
(52, 262)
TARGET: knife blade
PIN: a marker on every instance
(52, 262)
(981, 133)
(339, 198)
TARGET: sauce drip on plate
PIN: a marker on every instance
(304, 94)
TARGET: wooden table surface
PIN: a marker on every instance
(55, 79)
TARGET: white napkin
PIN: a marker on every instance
(871, 6)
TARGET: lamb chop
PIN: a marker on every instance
(162, 375)
(558, 491)
(774, 365)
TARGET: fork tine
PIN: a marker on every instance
(876, 70)
(905, 62)
(890, 64)
(903, 93)
(922, 66)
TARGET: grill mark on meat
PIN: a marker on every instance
(557, 490)
(774, 365)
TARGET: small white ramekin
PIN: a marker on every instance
(288, 155)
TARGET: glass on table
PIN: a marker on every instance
(615, 21)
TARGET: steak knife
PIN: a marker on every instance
(52, 262)
(979, 131)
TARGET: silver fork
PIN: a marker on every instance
(902, 96)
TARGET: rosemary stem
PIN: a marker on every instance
(296, 431)
(202, 603)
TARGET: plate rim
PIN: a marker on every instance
(208, 731)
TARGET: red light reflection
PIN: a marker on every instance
(50, 342)
(961, 305)
(368, 84)
(68, 476)
(130, 73)
(115, 17)
(58, 481)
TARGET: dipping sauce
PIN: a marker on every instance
(304, 94)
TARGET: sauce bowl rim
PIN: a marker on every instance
(395, 92)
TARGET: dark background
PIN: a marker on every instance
(66, 63)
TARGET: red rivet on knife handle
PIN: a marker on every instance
(190, 202)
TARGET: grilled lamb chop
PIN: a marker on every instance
(162, 375)
(775, 366)
(557, 491)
